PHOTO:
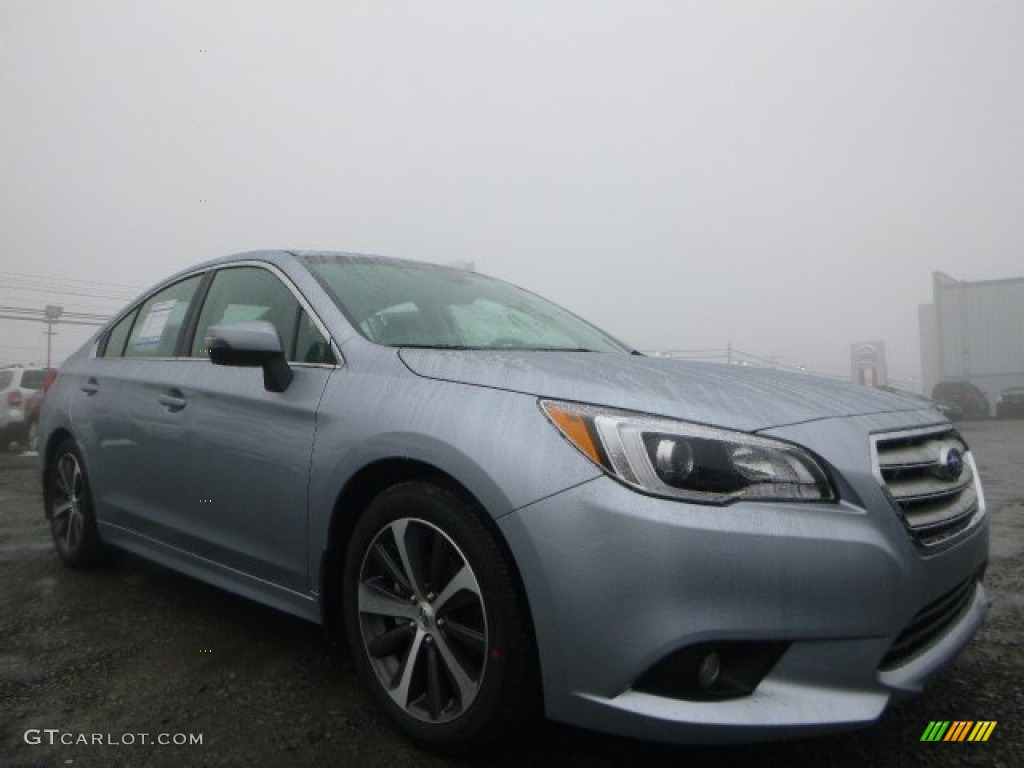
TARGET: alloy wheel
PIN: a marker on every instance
(422, 620)
(69, 499)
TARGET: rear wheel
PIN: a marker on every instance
(435, 622)
(70, 511)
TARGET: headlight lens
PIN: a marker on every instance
(689, 461)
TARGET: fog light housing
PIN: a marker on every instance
(712, 671)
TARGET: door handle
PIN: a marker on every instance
(173, 400)
(91, 387)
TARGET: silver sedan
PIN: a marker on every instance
(509, 513)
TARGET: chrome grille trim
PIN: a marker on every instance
(934, 506)
(926, 488)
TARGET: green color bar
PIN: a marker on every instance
(935, 731)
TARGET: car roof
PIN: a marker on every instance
(284, 257)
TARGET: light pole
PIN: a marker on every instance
(53, 313)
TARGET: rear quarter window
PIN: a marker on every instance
(32, 379)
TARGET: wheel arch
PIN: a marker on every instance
(356, 495)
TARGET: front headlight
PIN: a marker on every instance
(689, 461)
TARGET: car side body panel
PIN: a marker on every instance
(496, 445)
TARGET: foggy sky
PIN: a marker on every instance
(783, 176)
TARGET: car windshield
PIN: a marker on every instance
(406, 304)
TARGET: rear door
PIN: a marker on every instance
(130, 415)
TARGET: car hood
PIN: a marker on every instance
(735, 397)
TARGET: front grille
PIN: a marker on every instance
(929, 623)
(919, 471)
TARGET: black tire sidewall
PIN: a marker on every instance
(492, 713)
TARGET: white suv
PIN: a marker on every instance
(17, 383)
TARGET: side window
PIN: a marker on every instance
(310, 344)
(248, 293)
(119, 335)
(156, 332)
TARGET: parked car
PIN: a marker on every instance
(966, 396)
(33, 407)
(950, 410)
(17, 384)
(1011, 403)
(510, 513)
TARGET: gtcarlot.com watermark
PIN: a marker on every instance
(56, 736)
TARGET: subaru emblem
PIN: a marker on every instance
(951, 463)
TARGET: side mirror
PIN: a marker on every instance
(252, 344)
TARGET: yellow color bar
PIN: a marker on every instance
(982, 730)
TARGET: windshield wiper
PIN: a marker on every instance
(494, 349)
(559, 349)
(434, 346)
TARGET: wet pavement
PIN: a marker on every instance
(136, 649)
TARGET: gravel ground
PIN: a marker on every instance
(138, 649)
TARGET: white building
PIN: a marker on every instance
(973, 332)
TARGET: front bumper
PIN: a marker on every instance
(617, 581)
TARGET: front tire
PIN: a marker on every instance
(435, 622)
(69, 509)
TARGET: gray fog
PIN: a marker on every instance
(780, 176)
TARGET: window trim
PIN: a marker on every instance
(192, 319)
